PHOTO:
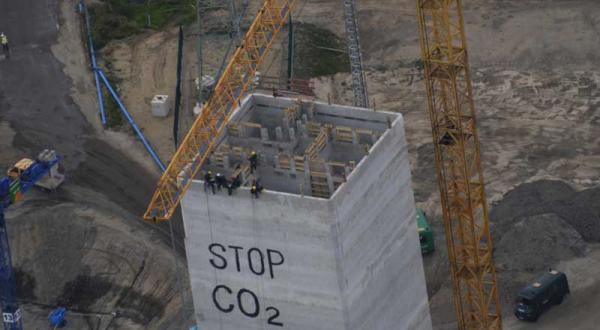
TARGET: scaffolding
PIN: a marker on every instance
(359, 84)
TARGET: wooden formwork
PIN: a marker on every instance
(292, 113)
(243, 171)
(219, 155)
(313, 129)
(299, 160)
(343, 134)
(243, 129)
(338, 173)
(239, 153)
(318, 144)
(284, 161)
(363, 134)
(338, 169)
(318, 179)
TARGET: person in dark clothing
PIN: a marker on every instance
(236, 182)
(256, 188)
(209, 182)
(275, 92)
(253, 161)
(4, 42)
(221, 181)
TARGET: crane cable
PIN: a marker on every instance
(177, 273)
(234, 37)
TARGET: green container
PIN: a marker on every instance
(425, 233)
(14, 191)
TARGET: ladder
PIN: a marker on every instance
(318, 179)
(361, 98)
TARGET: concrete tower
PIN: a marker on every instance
(330, 243)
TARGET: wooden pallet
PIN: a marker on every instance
(313, 129)
(343, 134)
(299, 163)
(317, 145)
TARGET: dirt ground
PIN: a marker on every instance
(83, 246)
(534, 65)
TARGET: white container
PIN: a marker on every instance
(160, 105)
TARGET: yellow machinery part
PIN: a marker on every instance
(229, 90)
(458, 164)
(19, 168)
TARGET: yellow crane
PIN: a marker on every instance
(458, 163)
(452, 113)
(229, 90)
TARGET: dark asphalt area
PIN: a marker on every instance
(35, 100)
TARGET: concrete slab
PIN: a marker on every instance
(280, 129)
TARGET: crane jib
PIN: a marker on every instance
(229, 90)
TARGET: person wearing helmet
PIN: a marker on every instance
(256, 188)
(236, 182)
(221, 181)
(253, 161)
(4, 42)
(209, 182)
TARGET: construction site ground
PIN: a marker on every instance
(83, 246)
(534, 66)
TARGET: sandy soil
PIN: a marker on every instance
(534, 125)
(146, 66)
(536, 98)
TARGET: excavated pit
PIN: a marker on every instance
(90, 261)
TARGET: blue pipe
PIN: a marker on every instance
(130, 119)
(100, 98)
(82, 7)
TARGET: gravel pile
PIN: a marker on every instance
(581, 209)
(536, 226)
(538, 242)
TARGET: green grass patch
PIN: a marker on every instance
(161, 13)
(114, 118)
(318, 52)
(118, 19)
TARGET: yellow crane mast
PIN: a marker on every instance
(458, 163)
(235, 81)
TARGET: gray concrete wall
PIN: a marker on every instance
(379, 255)
(350, 262)
(305, 287)
(330, 113)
